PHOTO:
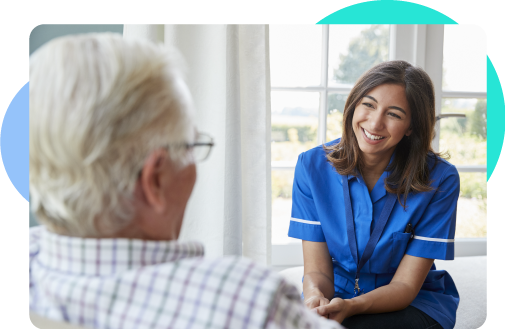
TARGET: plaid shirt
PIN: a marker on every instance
(126, 283)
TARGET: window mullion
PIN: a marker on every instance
(434, 68)
(471, 168)
(307, 89)
(392, 41)
(463, 94)
(321, 128)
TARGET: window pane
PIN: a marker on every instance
(465, 139)
(353, 49)
(471, 217)
(295, 55)
(472, 205)
(336, 103)
(294, 123)
(464, 58)
(282, 186)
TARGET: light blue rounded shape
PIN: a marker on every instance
(14, 141)
(386, 12)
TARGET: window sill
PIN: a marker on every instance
(290, 255)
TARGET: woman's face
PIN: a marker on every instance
(381, 119)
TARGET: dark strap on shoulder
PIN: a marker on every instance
(377, 232)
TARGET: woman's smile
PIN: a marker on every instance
(381, 119)
(372, 138)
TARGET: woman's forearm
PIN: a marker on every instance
(317, 284)
(389, 298)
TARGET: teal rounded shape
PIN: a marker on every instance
(403, 12)
(495, 118)
(387, 12)
(14, 141)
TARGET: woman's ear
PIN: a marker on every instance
(409, 131)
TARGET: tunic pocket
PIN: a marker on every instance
(400, 242)
(340, 283)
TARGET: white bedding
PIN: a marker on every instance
(470, 277)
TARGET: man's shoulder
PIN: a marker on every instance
(34, 233)
(236, 269)
(256, 283)
(237, 285)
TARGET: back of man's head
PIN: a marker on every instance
(99, 104)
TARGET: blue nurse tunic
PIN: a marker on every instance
(318, 214)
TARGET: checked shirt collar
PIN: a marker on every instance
(104, 257)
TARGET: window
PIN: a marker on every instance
(313, 68)
(465, 138)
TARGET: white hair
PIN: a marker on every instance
(99, 105)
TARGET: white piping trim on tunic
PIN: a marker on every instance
(433, 239)
(305, 221)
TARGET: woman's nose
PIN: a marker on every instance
(376, 121)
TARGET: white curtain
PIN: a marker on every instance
(227, 71)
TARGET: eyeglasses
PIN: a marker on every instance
(201, 147)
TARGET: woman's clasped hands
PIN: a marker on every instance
(337, 309)
(316, 301)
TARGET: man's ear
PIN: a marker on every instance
(153, 178)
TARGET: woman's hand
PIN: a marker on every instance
(338, 309)
(316, 301)
(318, 274)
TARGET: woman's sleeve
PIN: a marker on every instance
(434, 233)
(305, 222)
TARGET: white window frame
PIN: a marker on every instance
(421, 45)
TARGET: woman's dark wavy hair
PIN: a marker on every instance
(409, 170)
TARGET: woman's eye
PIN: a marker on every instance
(395, 115)
(368, 105)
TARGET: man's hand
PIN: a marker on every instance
(316, 301)
(338, 309)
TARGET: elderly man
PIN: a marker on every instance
(112, 165)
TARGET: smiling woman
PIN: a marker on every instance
(393, 100)
(368, 261)
(379, 124)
